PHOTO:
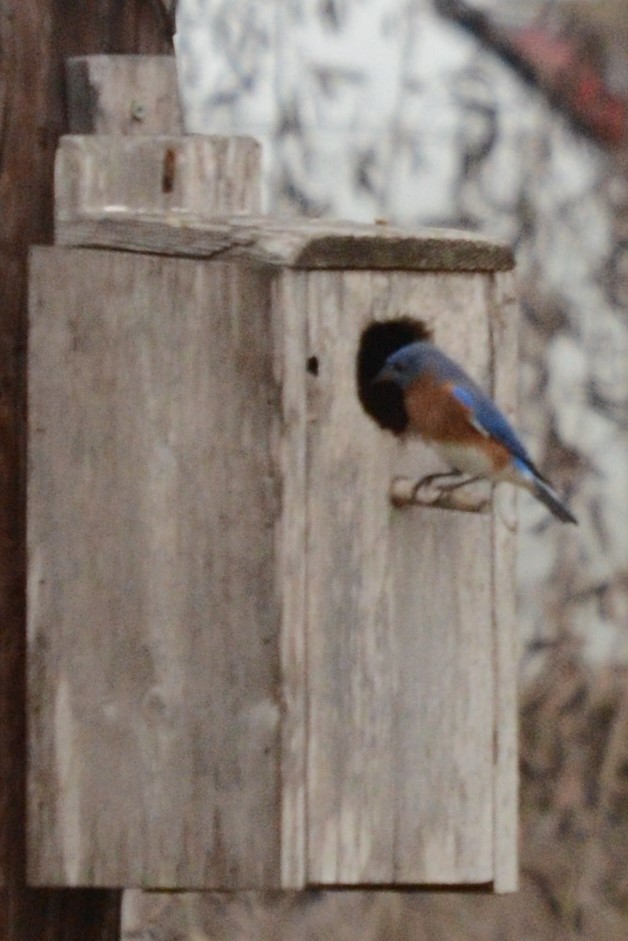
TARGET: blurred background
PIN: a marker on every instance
(511, 118)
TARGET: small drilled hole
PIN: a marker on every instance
(168, 171)
(312, 365)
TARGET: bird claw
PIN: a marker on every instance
(407, 492)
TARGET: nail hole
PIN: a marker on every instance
(168, 171)
(384, 403)
(312, 365)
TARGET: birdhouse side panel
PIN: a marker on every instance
(153, 608)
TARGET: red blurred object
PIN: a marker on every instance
(560, 62)
(573, 81)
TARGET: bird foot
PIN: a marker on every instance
(407, 492)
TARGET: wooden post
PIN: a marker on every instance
(206, 175)
(121, 95)
(145, 173)
(35, 38)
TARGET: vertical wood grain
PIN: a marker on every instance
(443, 565)
(121, 94)
(154, 662)
(289, 340)
(504, 323)
(350, 733)
(34, 38)
(205, 175)
(351, 647)
(399, 619)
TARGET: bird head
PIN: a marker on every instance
(404, 366)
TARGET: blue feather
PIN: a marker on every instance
(489, 417)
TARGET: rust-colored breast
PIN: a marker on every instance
(438, 416)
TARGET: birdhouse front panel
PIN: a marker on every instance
(251, 664)
(400, 645)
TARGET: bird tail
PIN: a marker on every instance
(529, 477)
(544, 492)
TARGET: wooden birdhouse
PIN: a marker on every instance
(249, 668)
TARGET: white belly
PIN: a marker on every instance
(463, 458)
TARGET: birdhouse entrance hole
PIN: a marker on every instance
(383, 402)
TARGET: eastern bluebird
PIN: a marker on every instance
(455, 417)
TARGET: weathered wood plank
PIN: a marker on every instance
(351, 643)
(154, 661)
(504, 326)
(289, 330)
(286, 242)
(203, 175)
(123, 95)
(399, 619)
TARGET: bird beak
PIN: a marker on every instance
(384, 375)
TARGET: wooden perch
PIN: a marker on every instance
(404, 491)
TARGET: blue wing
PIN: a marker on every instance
(488, 418)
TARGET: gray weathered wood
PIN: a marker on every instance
(289, 332)
(296, 243)
(123, 95)
(296, 682)
(503, 322)
(400, 647)
(192, 173)
(34, 36)
(154, 661)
